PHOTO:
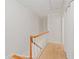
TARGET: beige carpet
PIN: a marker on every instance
(53, 51)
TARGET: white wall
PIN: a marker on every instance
(54, 27)
(20, 22)
(43, 24)
(69, 31)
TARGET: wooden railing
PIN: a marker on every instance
(31, 41)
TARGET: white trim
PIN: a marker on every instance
(62, 24)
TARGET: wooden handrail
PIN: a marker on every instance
(40, 34)
(31, 41)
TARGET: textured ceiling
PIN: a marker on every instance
(42, 7)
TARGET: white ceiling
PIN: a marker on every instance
(42, 7)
